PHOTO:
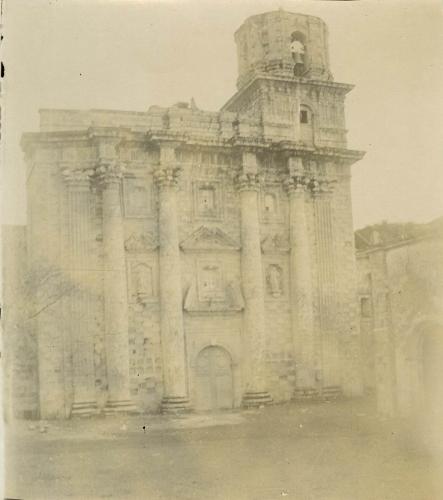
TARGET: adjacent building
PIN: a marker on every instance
(400, 269)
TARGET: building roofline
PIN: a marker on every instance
(396, 244)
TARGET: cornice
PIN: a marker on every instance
(344, 88)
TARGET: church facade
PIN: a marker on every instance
(181, 259)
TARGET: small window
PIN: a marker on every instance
(269, 203)
(304, 117)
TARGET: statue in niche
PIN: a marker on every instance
(274, 280)
(142, 281)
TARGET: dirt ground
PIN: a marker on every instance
(329, 451)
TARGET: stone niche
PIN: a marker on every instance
(208, 199)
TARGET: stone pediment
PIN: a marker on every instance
(275, 243)
(138, 243)
(209, 239)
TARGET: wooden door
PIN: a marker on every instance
(213, 380)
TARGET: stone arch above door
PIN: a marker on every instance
(213, 379)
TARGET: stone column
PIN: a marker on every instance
(328, 292)
(253, 287)
(79, 214)
(115, 292)
(175, 395)
(301, 282)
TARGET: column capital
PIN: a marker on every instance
(322, 186)
(109, 172)
(248, 182)
(167, 176)
(78, 179)
(296, 184)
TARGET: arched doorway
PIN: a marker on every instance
(213, 379)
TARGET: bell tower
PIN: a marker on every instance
(284, 80)
(290, 112)
(282, 44)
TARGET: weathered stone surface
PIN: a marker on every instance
(189, 238)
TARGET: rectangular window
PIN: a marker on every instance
(365, 307)
(303, 116)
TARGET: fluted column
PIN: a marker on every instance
(253, 287)
(115, 292)
(79, 197)
(301, 281)
(175, 395)
(327, 304)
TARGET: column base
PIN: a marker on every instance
(84, 409)
(122, 406)
(328, 393)
(175, 405)
(331, 392)
(306, 394)
(256, 399)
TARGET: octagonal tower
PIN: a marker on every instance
(265, 44)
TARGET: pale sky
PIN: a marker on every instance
(130, 55)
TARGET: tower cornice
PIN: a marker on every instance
(343, 88)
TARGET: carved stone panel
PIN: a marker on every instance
(210, 280)
(274, 280)
(138, 197)
(208, 199)
(142, 280)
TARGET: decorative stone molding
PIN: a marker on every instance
(109, 172)
(275, 244)
(143, 281)
(248, 182)
(206, 239)
(77, 177)
(208, 199)
(231, 302)
(139, 243)
(167, 176)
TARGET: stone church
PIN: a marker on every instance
(179, 259)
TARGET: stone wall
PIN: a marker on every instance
(20, 381)
(401, 290)
(175, 230)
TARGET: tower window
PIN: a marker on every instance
(304, 117)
